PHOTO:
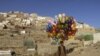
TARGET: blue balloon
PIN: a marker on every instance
(49, 27)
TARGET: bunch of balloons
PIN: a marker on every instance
(64, 27)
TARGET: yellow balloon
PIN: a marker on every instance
(66, 18)
(73, 26)
(71, 37)
(58, 35)
(50, 35)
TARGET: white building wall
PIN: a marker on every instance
(96, 37)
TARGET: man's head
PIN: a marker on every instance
(61, 42)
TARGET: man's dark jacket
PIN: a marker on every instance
(59, 50)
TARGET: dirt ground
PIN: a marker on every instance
(92, 50)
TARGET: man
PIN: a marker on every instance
(61, 49)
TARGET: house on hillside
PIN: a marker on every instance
(41, 22)
(84, 29)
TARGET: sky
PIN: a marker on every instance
(87, 11)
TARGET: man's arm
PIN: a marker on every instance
(65, 50)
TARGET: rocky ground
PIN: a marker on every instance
(44, 45)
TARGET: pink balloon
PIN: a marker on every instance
(52, 22)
